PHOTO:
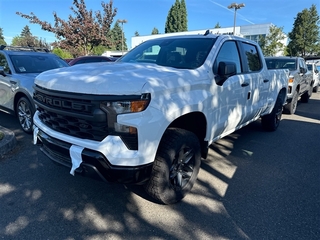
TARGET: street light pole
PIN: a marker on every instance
(236, 7)
(122, 37)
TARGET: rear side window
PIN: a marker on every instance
(252, 56)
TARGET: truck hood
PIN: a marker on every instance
(104, 78)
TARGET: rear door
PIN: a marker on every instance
(257, 78)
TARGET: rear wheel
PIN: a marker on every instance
(176, 166)
(271, 121)
(315, 89)
(25, 114)
(305, 97)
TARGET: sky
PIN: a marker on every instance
(144, 15)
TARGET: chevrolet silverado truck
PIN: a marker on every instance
(300, 80)
(149, 117)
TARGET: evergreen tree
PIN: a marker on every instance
(177, 18)
(304, 37)
(271, 44)
(155, 31)
(2, 41)
(217, 25)
(116, 38)
(183, 16)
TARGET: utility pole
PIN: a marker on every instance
(236, 7)
(122, 21)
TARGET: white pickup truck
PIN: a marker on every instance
(149, 117)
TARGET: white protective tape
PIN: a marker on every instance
(75, 154)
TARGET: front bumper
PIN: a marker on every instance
(93, 164)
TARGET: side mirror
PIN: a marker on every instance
(303, 70)
(225, 70)
(2, 71)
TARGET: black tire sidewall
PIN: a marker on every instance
(172, 142)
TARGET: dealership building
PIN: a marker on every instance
(252, 32)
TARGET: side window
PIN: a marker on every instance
(4, 63)
(228, 53)
(253, 58)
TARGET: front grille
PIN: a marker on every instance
(74, 126)
(76, 115)
(80, 115)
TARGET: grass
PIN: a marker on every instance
(1, 135)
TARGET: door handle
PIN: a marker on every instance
(266, 80)
(244, 84)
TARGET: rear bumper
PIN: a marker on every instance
(94, 164)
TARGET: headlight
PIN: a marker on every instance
(131, 105)
(127, 106)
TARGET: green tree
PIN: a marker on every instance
(304, 37)
(62, 53)
(118, 38)
(217, 25)
(83, 31)
(272, 43)
(155, 31)
(177, 18)
(2, 41)
(26, 39)
(136, 33)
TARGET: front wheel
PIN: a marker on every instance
(271, 121)
(291, 107)
(25, 114)
(176, 166)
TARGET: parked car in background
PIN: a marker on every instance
(18, 68)
(90, 59)
(312, 67)
(300, 80)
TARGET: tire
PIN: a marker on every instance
(25, 114)
(305, 97)
(291, 107)
(176, 166)
(316, 88)
(271, 121)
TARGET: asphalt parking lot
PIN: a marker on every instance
(253, 185)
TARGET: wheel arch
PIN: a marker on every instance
(194, 122)
(20, 95)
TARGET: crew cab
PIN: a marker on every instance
(300, 80)
(149, 117)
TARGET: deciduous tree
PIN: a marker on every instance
(272, 43)
(83, 30)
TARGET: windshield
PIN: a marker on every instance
(186, 53)
(281, 64)
(36, 63)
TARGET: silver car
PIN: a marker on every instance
(18, 69)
